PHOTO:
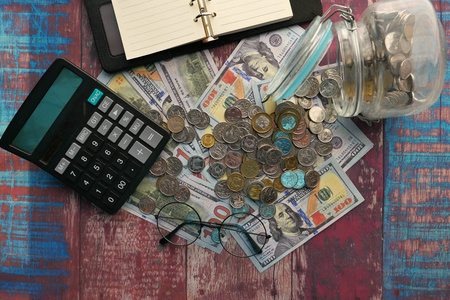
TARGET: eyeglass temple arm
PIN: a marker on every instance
(170, 235)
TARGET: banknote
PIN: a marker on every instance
(302, 214)
(186, 77)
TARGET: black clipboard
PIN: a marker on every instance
(109, 44)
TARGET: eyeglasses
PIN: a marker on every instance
(183, 220)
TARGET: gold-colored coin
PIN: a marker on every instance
(208, 140)
(175, 124)
(277, 184)
(164, 124)
(291, 163)
(250, 168)
(236, 182)
(267, 182)
(255, 191)
(262, 122)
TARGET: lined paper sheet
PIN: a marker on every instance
(149, 26)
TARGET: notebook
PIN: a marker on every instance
(149, 26)
(109, 43)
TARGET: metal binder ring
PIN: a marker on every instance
(204, 14)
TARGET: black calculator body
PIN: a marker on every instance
(78, 130)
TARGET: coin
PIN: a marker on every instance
(288, 122)
(336, 142)
(316, 128)
(190, 136)
(249, 143)
(274, 156)
(174, 166)
(218, 130)
(175, 124)
(217, 170)
(262, 122)
(254, 189)
(236, 182)
(237, 200)
(221, 189)
(218, 151)
(159, 167)
(303, 89)
(194, 116)
(176, 110)
(155, 116)
(181, 136)
(244, 106)
(196, 164)
(233, 115)
(329, 88)
(267, 182)
(289, 179)
(392, 42)
(304, 102)
(268, 195)
(267, 211)
(204, 122)
(331, 114)
(253, 110)
(277, 184)
(250, 168)
(241, 211)
(307, 156)
(183, 194)
(314, 83)
(147, 205)
(231, 133)
(325, 136)
(312, 179)
(208, 140)
(233, 159)
(168, 185)
(290, 163)
(300, 179)
(284, 144)
(316, 114)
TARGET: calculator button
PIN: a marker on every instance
(83, 135)
(104, 127)
(121, 185)
(107, 152)
(108, 176)
(140, 152)
(119, 161)
(126, 119)
(62, 166)
(151, 137)
(95, 97)
(96, 168)
(94, 143)
(83, 158)
(110, 199)
(132, 169)
(115, 112)
(73, 150)
(98, 190)
(136, 127)
(85, 182)
(94, 120)
(125, 141)
(106, 103)
(73, 173)
(115, 134)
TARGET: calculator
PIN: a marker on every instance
(81, 132)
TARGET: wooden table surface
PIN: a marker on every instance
(55, 245)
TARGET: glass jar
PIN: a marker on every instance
(392, 61)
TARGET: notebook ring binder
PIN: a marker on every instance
(204, 14)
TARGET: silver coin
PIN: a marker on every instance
(190, 136)
(237, 200)
(218, 151)
(406, 85)
(315, 128)
(396, 61)
(233, 159)
(328, 73)
(169, 185)
(261, 153)
(312, 178)
(231, 133)
(316, 114)
(147, 205)
(331, 114)
(159, 167)
(268, 195)
(249, 143)
(325, 136)
(244, 106)
(303, 89)
(155, 116)
(267, 211)
(329, 88)
(253, 110)
(233, 115)
(405, 68)
(218, 130)
(392, 43)
(324, 148)
(235, 146)
(405, 44)
(217, 170)
(181, 136)
(337, 142)
(266, 134)
(183, 194)
(408, 21)
(271, 170)
(221, 189)
(314, 83)
(304, 102)
(247, 125)
(174, 166)
(307, 156)
(176, 110)
(196, 164)
(194, 116)
(204, 122)
(274, 156)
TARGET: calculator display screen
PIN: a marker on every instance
(47, 111)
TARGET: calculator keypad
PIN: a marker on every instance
(109, 152)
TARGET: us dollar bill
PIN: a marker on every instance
(302, 214)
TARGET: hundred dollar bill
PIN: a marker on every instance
(186, 77)
(254, 59)
(350, 144)
(302, 214)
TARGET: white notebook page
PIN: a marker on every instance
(149, 26)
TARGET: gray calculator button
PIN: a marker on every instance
(83, 135)
(140, 152)
(150, 136)
(62, 166)
(125, 141)
(115, 112)
(126, 119)
(94, 120)
(115, 134)
(106, 103)
(72, 151)
(136, 126)
(104, 127)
